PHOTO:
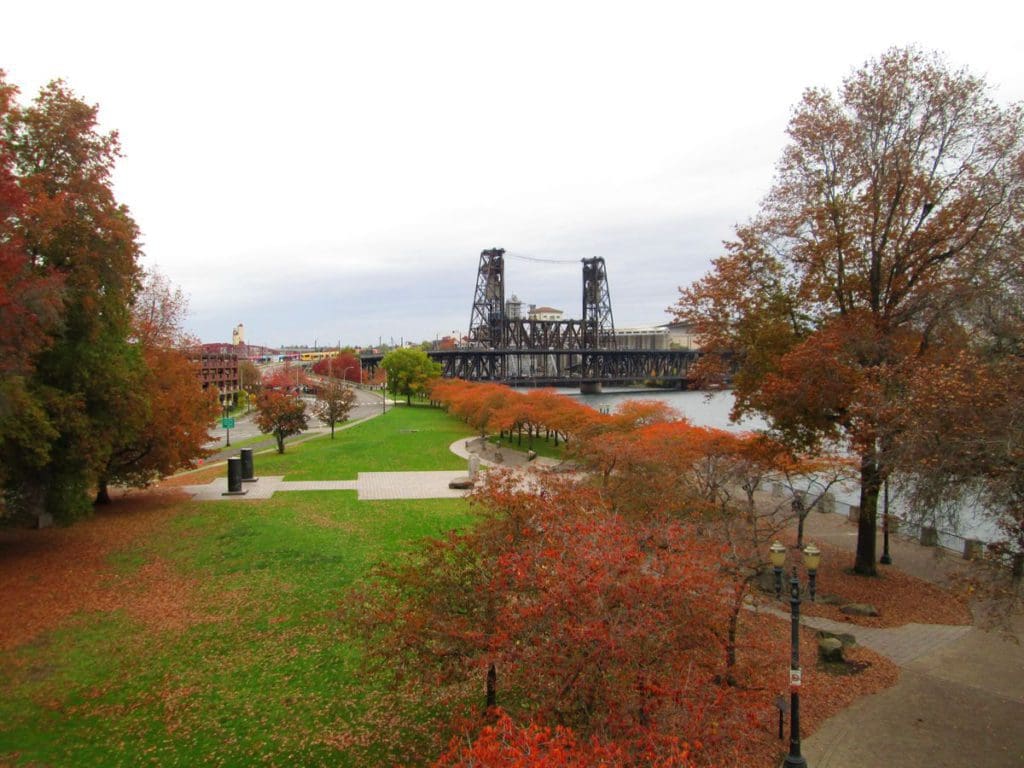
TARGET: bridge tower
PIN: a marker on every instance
(487, 320)
(598, 325)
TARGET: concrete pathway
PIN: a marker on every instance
(960, 697)
(902, 645)
(368, 486)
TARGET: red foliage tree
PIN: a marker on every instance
(344, 365)
(169, 414)
(614, 627)
(280, 414)
(504, 744)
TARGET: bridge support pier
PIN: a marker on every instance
(590, 388)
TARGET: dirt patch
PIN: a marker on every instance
(195, 477)
(324, 521)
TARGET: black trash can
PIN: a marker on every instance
(234, 477)
(247, 465)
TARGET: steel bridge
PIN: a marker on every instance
(503, 347)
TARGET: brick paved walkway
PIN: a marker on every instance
(900, 644)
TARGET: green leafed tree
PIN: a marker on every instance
(72, 227)
(898, 203)
(409, 372)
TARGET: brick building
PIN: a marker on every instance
(218, 367)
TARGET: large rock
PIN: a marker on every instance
(844, 637)
(859, 609)
(830, 649)
(461, 483)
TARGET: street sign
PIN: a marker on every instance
(794, 678)
(227, 423)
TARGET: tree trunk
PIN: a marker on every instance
(280, 442)
(102, 493)
(332, 430)
(870, 485)
(492, 686)
(734, 620)
(801, 516)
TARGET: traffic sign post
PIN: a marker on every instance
(228, 424)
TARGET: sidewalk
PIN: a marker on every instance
(960, 697)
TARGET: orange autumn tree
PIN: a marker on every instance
(967, 423)
(898, 202)
(170, 414)
(566, 612)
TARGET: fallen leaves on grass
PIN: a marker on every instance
(52, 574)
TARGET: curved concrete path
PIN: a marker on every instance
(960, 697)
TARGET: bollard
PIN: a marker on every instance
(234, 478)
(972, 549)
(828, 504)
(474, 466)
(247, 466)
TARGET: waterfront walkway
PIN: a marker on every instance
(960, 696)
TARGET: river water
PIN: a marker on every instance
(705, 409)
(711, 409)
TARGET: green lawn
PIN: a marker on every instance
(540, 446)
(416, 438)
(261, 672)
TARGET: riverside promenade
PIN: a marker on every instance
(960, 697)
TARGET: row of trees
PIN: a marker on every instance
(607, 602)
(94, 385)
(877, 297)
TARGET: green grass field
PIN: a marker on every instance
(540, 446)
(230, 650)
(416, 438)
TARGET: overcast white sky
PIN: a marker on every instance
(331, 171)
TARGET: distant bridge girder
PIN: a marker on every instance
(554, 367)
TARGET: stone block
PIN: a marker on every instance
(859, 609)
(830, 649)
(461, 483)
(929, 536)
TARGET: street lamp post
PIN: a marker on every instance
(886, 558)
(812, 559)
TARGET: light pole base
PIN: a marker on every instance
(798, 761)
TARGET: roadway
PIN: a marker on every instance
(367, 404)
